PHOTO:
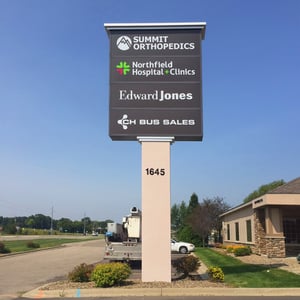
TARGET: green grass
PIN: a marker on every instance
(21, 245)
(239, 274)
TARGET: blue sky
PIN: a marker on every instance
(54, 85)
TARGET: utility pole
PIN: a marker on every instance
(51, 226)
(84, 224)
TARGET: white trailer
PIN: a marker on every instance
(123, 242)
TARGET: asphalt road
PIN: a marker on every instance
(23, 272)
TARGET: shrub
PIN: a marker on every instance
(106, 275)
(238, 250)
(32, 244)
(230, 249)
(215, 274)
(242, 251)
(81, 273)
(3, 248)
(186, 264)
(187, 234)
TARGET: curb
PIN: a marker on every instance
(121, 292)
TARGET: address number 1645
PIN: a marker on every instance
(153, 171)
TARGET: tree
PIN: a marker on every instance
(200, 221)
(10, 226)
(183, 212)
(217, 206)
(178, 215)
(21, 221)
(187, 234)
(39, 221)
(175, 220)
(78, 226)
(87, 224)
(29, 223)
(205, 217)
(65, 225)
(264, 189)
(193, 203)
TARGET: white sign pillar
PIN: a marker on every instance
(156, 214)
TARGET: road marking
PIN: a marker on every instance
(39, 295)
(78, 293)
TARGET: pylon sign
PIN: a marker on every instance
(155, 80)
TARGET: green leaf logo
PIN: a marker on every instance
(123, 68)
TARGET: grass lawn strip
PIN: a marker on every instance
(239, 274)
(21, 245)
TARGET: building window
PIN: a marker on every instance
(249, 231)
(237, 231)
(228, 232)
(291, 229)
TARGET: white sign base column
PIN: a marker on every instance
(156, 214)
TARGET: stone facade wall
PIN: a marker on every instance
(271, 246)
(259, 232)
(275, 246)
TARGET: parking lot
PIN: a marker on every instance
(23, 272)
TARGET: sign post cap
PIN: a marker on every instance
(156, 26)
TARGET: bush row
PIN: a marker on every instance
(110, 274)
(30, 244)
(104, 275)
(4, 249)
(33, 245)
(237, 250)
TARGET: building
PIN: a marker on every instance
(269, 224)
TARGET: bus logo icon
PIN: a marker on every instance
(125, 122)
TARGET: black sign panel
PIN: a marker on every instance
(143, 69)
(155, 122)
(155, 81)
(153, 95)
(155, 42)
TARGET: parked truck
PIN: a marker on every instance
(123, 241)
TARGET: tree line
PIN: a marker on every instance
(196, 221)
(193, 222)
(23, 225)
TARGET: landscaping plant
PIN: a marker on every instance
(187, 264)
(81, 273)
(215, 274)
(33, 245)
(110, 274)
(3, 248)
(242, 251)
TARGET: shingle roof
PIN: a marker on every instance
(291, 187)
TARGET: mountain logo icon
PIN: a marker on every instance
(124, 42)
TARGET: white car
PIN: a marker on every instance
(182, 247)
